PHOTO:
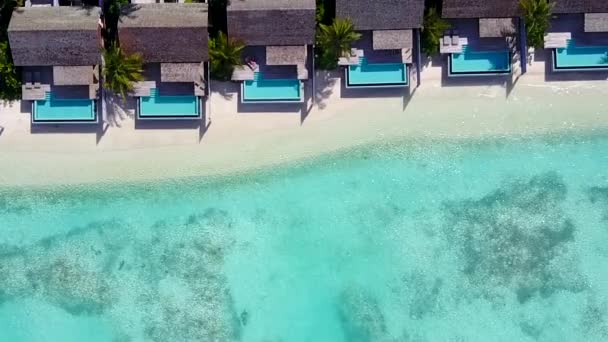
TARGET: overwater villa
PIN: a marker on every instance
(483, 38)
(58, 49)
(578, 36)
(173, 40)
(388, 47)
(278, 57)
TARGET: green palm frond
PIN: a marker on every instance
(224, 54)
(537, 16)
(121, 71)
(336, 39)
(433, 28)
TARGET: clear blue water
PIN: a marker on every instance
(480, 61)
(264, 89)
(157, 105)
(54, 109)
(581, 56)
(377, 73)
(496, 240)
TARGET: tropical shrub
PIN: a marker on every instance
(537, 16)
(121, 71)
(224, 54)
(335, 41)
(10, 84)
(433, 28)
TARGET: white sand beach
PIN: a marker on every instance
(235, 141)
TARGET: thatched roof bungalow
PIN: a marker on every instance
(382, 14)
(56, 46)
(386, 26)
(172, 38)
(50, 36)
(272, 22)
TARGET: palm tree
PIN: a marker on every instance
(433, 28)
(121, 71)
(224, 54)
(335, 40)
(537, 16)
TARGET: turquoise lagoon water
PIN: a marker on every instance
(163, 106)
(377, 74)
(480, 62)
(54, 109)
(576, 56)
(485, 241)
(271, 90)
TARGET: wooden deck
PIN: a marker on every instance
(555, 40)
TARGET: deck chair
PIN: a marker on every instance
(446, 38)
(28, 80)
(36, 79)
(455, 37)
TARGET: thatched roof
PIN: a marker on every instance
(392, 39)
(596, 22)
(382, 14)
(46, 36)
(580, 6)
(168, 32)
(72, 75)
(480, 8)
(285, 55)
(272, 22)
(180, 72)
(497, 27)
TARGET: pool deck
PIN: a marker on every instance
(572, 26)
(44, 76)
(152, 79)
(365, 44)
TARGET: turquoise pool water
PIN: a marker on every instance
(161, 106)
(52, 109)
(377, 74)
(271, 90)
(480, 62)
(496, 240)
(581, 57)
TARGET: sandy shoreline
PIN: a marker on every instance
(236, 141)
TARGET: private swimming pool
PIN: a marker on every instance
(576, 57)
(158, 106)
(473, 63)
(53, 110)
(373, 75)
(263, 90)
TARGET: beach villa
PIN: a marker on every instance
(173, 40)
(483, 38)
(388, 48)
(578, 36)
(279, 35)
(58, 50)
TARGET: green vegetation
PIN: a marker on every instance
(224, 54)
(10, 82)
(335, 41)
(433, 28)
(112, 10)
(320, 12)
(121, 71)
(537, 16)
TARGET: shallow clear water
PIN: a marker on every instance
(54, 109)
(377, 73)
(489, 241)
(480, 61)
(158, 105)
(582, 56)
